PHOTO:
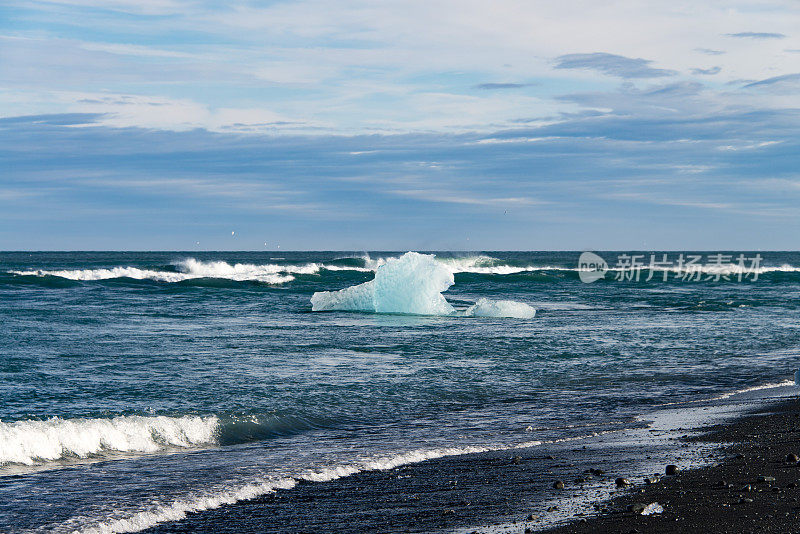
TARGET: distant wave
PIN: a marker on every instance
(273, 273)
(33, 442)
(480, 264)
(188, 269)
(483, 264)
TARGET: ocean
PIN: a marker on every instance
(139, 387)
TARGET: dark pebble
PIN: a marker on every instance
(622, 482)
(558, 484)
(791, 458)
(671, 470)
(637, 507)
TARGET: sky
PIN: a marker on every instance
(399, 125)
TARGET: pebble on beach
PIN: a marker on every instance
(671, 470)
(558, 484)
(791, 458)
(622, 482)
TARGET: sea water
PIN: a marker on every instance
(138, 387)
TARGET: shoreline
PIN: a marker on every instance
(753, 487)
(509, 491)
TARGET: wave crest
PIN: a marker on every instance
(33, 442)
(188, 269)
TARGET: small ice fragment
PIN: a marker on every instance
(501, 308)
(653, 508)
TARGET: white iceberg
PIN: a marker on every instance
(412, 284)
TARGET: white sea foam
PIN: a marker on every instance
(179, 508)
(33, 442)
(770, 385)
(278, 273)
(106, 274)
(501, 308)
(220, 496)
(729, 269)
(187, 270)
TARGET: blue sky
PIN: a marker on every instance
(158, 124)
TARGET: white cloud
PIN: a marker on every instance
(389, 66)
(453, 197)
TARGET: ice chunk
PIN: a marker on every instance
(653, 508)
(501, 308)
(412, 283)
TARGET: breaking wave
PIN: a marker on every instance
(273, 273)
(33, 442)
(188, 269)
(42, 442)
(412, 284)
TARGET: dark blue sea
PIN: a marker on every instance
(138, 387)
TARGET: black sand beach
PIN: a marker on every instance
(755, 487)
(511, 491)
